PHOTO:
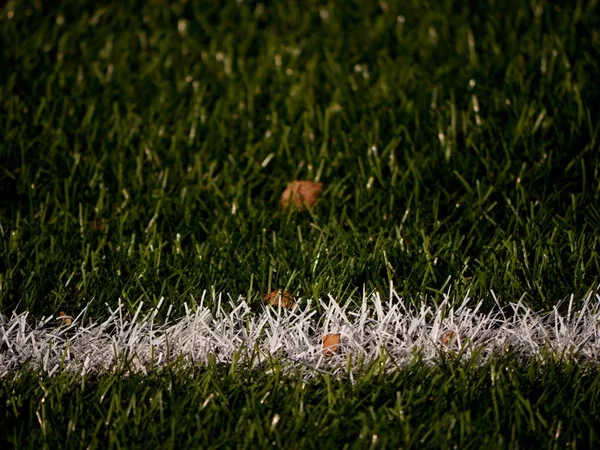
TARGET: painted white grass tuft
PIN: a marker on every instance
(236, 334)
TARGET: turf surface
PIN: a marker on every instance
(503, 404)
(144, 148)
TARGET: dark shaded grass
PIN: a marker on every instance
(498, 405)
(110, 117)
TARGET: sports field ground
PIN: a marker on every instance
(299, 224)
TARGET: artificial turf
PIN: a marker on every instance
(503, 404)
(144, 148)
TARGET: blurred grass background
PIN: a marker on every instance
(144, 147)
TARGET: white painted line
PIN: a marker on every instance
(232, 331)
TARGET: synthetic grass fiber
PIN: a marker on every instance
(144, 151)
(294, 339)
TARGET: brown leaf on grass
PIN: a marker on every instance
(405, 240)
(66, 320)
(97, 225)
(331, 344)
(279, 297)
(301, 194)
(449, 337)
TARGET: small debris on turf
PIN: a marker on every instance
(331, 344)
(301, 194)
(449, 337)
(97, 225)
(405, 240)
(279, 297)
(65, 320)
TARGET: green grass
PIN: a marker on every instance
(144, 147)
(420, 407)
(101, 132)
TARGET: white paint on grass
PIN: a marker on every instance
(232, 332)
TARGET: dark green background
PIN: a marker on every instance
(110, 116)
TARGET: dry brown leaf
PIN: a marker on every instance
(448, 337)
(301, 194)
(97, 225)
(405, 240)
(331, 344)
(66, 320)
(279, 297)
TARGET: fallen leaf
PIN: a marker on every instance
(405, 240)
(301, 194)
(66, 320)
(97, 225)
(331, 344)
(279, 297)
(448, 337)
